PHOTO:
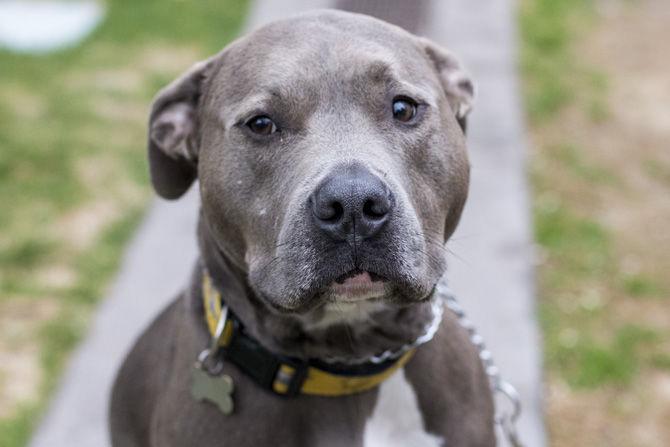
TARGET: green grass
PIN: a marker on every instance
(657, 170)
(580, 247)
(602, 289)
(573, 158)
(72, 134)
(16, 431)
(548, 29)
(661, 361)
(583, 344)
(641, 286)
(587, 363)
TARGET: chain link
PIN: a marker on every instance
(505, 418)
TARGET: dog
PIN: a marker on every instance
(330, 156)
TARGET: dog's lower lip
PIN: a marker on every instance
(373, 276)
(356, 287)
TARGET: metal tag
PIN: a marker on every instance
(214, 389)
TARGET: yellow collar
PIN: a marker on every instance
(283, 375)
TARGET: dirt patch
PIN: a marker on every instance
(20, 377)
(112, 108)
(20, 369)
(131, 78)
(57, 276)
(80, 227)
(104, 177)
(124, 80)
(168, 59)
(627, 45)
(636, 417)
(25, 104)
(111, 192)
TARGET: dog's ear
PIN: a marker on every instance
(456, 82)
(173, 132)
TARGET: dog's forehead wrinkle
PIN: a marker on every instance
(313, 28)
(281, 51)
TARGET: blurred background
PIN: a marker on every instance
(76, 82)
(596, 89)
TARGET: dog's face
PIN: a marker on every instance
(331, 163)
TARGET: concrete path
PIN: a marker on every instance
(492, 273)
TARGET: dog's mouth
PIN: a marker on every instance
(374, 277)
(358, 285)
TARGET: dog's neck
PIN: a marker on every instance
(343, 332)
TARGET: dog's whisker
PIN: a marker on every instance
(283, 244)
(457, 256)
(270, 262)
(442, 247)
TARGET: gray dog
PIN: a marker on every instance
(332, 169)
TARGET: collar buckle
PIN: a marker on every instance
(290, 376)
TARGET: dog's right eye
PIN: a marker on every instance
(404, 109)
(262, 125)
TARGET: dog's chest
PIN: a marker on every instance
(396, 419)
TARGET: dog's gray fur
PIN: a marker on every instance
(328, 79)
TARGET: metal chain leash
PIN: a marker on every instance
(506, 418)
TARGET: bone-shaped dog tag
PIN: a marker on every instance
(215, 389)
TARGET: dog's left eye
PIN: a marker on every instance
(404, 109)
(262, 125)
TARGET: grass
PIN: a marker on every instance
(658, 170)
(573, 158)
(73, 175)
(604, 339)
(580, 245)
(637, 285)
(587, 363)
(547, 28)
(16, 431)
(553, 76)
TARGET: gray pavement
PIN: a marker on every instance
(492, 273)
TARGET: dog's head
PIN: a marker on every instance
(330, 155)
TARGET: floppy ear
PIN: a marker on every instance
(456, 82)
(173, 132)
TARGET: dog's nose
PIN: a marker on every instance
(351, 201)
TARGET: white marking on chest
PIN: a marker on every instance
(352, 314)
(396, 420)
